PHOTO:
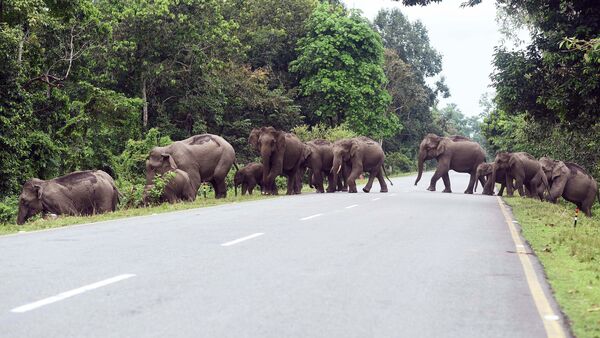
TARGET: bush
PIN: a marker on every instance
(321, 131)
(9, 208)
(399, 162)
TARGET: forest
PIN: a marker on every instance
(96, 83)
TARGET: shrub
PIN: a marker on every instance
(321, 131)
(9, 207)
(399, 163)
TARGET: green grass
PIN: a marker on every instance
(201, 202)
(570, 256)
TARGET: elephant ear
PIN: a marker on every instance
(39, 191)
(306, 152)
(253, 138)
(559, 169)
(279, 141)
(441, 147)
(168, 157)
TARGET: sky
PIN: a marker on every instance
(464, 36)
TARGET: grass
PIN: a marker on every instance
(570, 256)
(201, 202)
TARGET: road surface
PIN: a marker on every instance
(409, 263)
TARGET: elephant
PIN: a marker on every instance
(525, 170)
(319, 163)
(485, 170)
(205, 158)
(249, 177)
(456, 153)
(78, 193)
(281, 154)
(358, 155)
(572, 182)
(179, 188)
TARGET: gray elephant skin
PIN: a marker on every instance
(456, 153)
(249, 177)
(359, 154)
(179, 188)
(525, 170)
(205, 158)
(281, 154)
(78, 193)
(319, 162)
(571, 182)
(484, 170)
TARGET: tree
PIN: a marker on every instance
(341, 65)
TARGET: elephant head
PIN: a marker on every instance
(30, 200)
(483, 170)
(431, 147)
(159, 162)
(271, 145)
(554, 169)
(343, 151)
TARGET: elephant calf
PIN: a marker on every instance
(179, 188)
(484, 170)
(249, 177)
(78, 193)
(526, 172)
(572, 182)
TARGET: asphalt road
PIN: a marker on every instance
(409, 263)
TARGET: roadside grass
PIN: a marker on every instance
(570, 256)
(39, 223)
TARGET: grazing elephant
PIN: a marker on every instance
(205, 158)
(456, 153)
(358, 155)
(572, 182)
(319, 163)
(484, 170)
(78, 193)
(249, 177)
(179, 188)
(282, 154)
(525, 170)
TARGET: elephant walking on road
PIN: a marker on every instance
(572, 182)
(526, 172)
(358, 155)
(484, 170)
(282, 154)
(319, 163)
(78, 193)
(456, 153)
(205, 158)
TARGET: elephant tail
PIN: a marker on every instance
(386, 175)
(476, 181)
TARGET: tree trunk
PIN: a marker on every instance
(145, 108)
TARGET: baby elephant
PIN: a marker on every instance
(484, 170)
(78, 193)
(179, 188)
(248, 177)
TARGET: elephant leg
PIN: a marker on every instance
(501, 189)
(244, 188)
(519, 186)
(356, 170)
(482, 180)
(251, 188)
(220, 187)
(369, 185)
(510, 190)
(318, 181)
(446, 179)
(331, 184)
(471, 183)
(382, 184)
(439, 172)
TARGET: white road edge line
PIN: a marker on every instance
(236, 241)
(70, 293)
(309, 217)
(376, 199)
(351, 206)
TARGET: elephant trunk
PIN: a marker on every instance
(422, 155)
(22, 216)
(265, 155)
(336, 167)
(488, 189)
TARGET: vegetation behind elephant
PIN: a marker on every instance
(359, 154)
(179, 188)
(320, 162)
(205, 158)
(281, 154)
(572, 182)
(249, 177)
(525, 170)
(456, 153)
(78, 193)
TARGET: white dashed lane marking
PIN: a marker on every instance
(236, 241)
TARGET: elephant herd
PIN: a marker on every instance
(188, 163)
(544, 179)
(209, 158)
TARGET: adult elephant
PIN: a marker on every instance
(572, 182)
(78, 193)
(525, 170)
(319, 162)
(205, 158)
(456, 153)
(358, 155)
(281, 154)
